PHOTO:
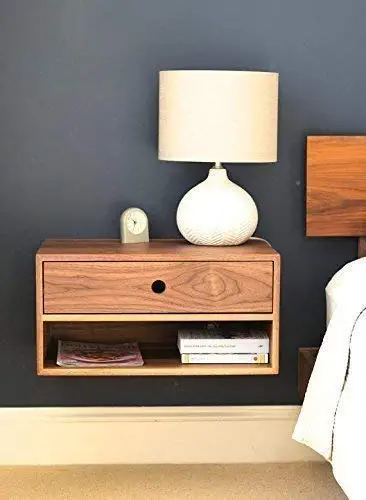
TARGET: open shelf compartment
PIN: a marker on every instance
(158, 344)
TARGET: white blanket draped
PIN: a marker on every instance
(333, 417)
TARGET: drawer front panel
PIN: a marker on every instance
(157, 287)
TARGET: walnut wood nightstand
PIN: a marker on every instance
(101, 290)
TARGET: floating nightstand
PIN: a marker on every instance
(102, 291)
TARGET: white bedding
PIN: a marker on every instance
(333, 417)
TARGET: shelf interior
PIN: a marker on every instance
(157, 341)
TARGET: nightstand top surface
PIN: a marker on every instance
(155, 250)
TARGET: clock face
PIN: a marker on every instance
(136, 221)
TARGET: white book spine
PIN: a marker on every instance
(237, 346)
(224, 358)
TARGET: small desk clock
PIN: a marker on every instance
(134, 226)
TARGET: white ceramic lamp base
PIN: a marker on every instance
(217, 212)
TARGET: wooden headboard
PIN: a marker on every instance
(336, 186)
(335, 204)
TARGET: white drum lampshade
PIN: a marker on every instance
(218, 117)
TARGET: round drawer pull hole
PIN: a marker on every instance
(158, 286)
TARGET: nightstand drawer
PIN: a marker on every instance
(157, 287)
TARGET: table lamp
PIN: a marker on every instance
(218, 117)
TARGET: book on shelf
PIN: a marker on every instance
(90, 354)
(226, 342)
(224, 358)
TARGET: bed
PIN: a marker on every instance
(332, 419)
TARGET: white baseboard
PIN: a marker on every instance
(66, 436)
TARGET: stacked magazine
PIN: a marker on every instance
(217, 346)
(90, 354)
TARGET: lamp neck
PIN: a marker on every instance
(217, 174)
(218, 165)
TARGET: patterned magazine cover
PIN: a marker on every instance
(83, 354)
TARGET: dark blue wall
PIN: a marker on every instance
(78, 124)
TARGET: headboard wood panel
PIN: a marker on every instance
(336, 186)
(361, 250)
(335, 204)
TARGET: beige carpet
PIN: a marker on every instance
(200, 482)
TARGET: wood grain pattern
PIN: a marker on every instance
(41, 341)
(125, 287)
(157, 343)
(159, 367)
(131, 318)
(162, 333)
(155, 250)
(336, 186)
(217, 279)
(306, 362)
(275, 332)
(159, 334)
(361, 250)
